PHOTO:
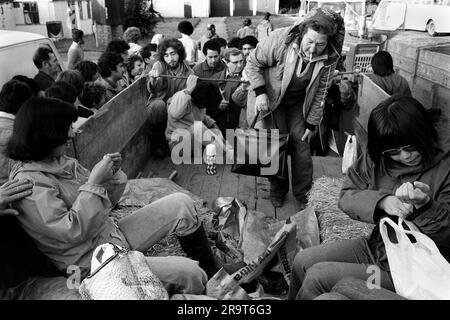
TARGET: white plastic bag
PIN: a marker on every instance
(418, 269)
(350, 153)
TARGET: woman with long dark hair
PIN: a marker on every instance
(405, 172)
(67, 213)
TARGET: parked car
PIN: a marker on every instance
(16, 53)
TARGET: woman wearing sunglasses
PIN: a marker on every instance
(405, 172)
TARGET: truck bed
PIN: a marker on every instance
(254, 191)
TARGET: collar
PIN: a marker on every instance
(184, 36)
(7, 115)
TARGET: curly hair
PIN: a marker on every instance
(88, 69)
(186, 27)
(129, 64)
(132, 34)
(176, 44)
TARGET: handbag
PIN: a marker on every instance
(261, 152)
(418, 270)
(120, 274)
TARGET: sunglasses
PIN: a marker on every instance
(396, 151)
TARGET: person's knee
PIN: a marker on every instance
(318, 278)
(305, 259)
(186, 204)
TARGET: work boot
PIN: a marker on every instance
(196, 246)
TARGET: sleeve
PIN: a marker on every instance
(355, 198)
(239, 96)
(433, 219)
(178, 107)
(315, 114)
(266, 55)
(49, 214)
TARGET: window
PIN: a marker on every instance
(30, 13)
(80, 9)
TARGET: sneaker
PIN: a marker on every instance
(277, 200)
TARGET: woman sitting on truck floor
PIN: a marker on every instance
(405, 172)
(67, 213)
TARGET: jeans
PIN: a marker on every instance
(290, 120)
(174, 213)
(317, 269)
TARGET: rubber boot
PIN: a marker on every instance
(196, 246)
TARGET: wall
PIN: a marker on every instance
(175, 8)
(267, 6)
(53, 11)
(7, 21)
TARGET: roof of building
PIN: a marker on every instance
(10, 37)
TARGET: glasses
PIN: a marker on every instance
(396, 151)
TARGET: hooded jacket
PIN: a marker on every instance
(366, 184)
(272, 64)
(66, 216)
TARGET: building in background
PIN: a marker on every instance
(54, 18)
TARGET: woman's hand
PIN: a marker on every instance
(12, 191)
(415, 194)
(394, 207)
(102, 171)
(116, 158)
(262, 102)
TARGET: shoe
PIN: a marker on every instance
(196, 245)
(277, 201)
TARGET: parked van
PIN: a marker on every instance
(432, 16)
(16, 53)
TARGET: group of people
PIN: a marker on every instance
(63, 208)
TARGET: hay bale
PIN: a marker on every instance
(334, 224)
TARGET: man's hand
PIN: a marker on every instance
(191, 82)
(415, 194)
(307, 135)
(12, 191)
(262, 102)
(395, 207)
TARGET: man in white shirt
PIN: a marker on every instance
(75, 53)
(190, 45)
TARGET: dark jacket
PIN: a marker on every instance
(44, 80)
(366, 184)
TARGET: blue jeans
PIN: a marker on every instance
(176, 214)
(317, 269)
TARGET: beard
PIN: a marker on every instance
(173, 65)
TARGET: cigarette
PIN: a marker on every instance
(310, 56)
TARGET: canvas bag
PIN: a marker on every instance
(350, 153)
(418, 270)
(120, 274)
(257, 149)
